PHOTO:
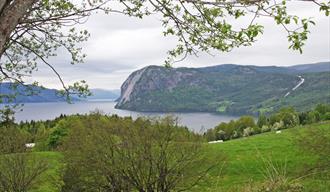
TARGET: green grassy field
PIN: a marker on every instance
(246, 159)
(241, 163)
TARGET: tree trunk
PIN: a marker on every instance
(2, 5)
(10, 15)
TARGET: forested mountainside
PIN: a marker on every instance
(231, 89)
(27, 94)
(36, 94)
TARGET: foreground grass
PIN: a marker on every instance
(241, 163)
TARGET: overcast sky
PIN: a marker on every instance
(120, 45)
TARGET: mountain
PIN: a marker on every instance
(49, 95)
(310, 68)
(98, 94)
(230, 89)
(24, 93)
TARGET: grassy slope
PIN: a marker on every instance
(243, 162)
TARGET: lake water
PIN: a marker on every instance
(43, 111)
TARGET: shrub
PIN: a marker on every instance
(210, 135)
(262, 120)
(60, 131)
(288, 116)
(278, 126)
(221, 135)
(313, 117)
(326, 116)
(235, 135)
(322, 108)
(248, 131)
(265, 128)
(256, 130)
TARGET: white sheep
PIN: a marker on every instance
(30, 145)
(218, 141)
(277, 132)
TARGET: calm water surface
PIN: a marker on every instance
(44, 111)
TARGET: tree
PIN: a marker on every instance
(326, 116)
(59, 132)
(322, 108)
(313, 117)
(224, 131)
(31, 31)
(11, 138)
(303, 118)
(210, 135)
(7, 118)
(19, 172)
(243, 123)
(19, 169)
(289, 117)
(262, 120)
(286, 116)
(119, 154)
(161, 157)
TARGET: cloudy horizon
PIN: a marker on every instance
(120, 45)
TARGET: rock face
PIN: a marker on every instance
(128, 86)
(231, 89)
(149, 79)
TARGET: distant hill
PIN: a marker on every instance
(231, 89)
(311, 68)
(100, 94)
(24, 94)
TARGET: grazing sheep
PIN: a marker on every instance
(218, 141)
(30, 145)
(277, 132)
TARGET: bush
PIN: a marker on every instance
(20, 171)
(60, 131)
(288, 116)
(221, 135)
(278, 126)
(256, 130)
(265, 128)
(313, 117)
(210, 135)
(262, 120)
(12, 140)
(248, 131)
(326, 116)
(322, 108)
